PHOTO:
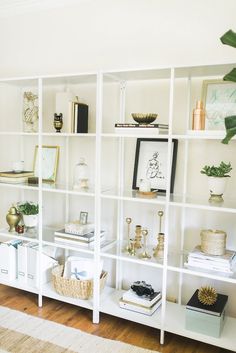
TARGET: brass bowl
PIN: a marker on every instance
(144, 118)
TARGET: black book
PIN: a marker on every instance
(215, 309)
(81, 118)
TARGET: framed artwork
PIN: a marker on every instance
(30, 112)
(83, 218)
(50, 157)
(151, 163)
(219, 99)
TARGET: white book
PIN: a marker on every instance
(207, 268)
(13, 180)
(138, 130)
(86, 237)
(75, 241)
(139, 308)
(62, 102)
(227, 257)
(132, 297)
(209, 263)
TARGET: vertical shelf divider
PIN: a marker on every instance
(40, 193)
(167, 206)
(97, 203)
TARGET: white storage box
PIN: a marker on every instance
(22, 263)
(79, 229)
(8, 260)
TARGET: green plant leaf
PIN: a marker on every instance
(230, 126)
(229, 38)
(231, 76)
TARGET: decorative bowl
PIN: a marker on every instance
(144, 118)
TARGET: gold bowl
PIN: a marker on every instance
(144, 118)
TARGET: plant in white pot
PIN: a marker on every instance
(29, 212)
(217, 178)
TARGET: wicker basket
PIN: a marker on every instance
(213, 242)
(72, 287)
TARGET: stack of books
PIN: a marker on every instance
(15, 178)
(152, 129)
(78, 117)
(86, 240)
(224, 263)
(141, 304)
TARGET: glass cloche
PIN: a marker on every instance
(81, 175)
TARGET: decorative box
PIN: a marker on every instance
(213, 242)
(206, 319)
(79, 229)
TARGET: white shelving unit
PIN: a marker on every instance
(112, 96)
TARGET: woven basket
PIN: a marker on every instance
(213, 242)
(73, 287)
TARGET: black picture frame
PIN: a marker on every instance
(150, 155)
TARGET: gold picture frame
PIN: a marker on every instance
(219, 99)
(50, 158)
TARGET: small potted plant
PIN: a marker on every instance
(29, 212)
(217, 177)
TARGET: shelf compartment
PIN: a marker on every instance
(132, 195)
(175, 323)
(14, 235)
(228, 205)
(20, 285)
(109, 304)
(113, 252)
(48, 291)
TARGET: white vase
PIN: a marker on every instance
(217, 187)
(30, 221)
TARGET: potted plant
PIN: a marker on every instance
(217, 177)
(29, 212)
(229, 38)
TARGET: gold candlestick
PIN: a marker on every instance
(160, 214)
(138, 237)
(145, 254)
(159, 250)
(132, 251)
(127, 247)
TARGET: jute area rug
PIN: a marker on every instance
(22, 333)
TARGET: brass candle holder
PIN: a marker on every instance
(132, 251)
(159, 249)
(145, 255)
(138, 237)
(127, 247)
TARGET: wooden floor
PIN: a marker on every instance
(109, 327)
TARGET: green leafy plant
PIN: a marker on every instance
(229, 38)
(221, 171)
(28, 208)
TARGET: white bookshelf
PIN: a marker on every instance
(112, 96)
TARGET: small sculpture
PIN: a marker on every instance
(128, 247)
(207, 295)
(58, 122)
(145, 254)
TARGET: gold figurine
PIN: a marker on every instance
(127, 247)
(138, 237)
(145, 254)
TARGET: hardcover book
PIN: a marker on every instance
(81, 118)
(85, 238)
(215, 309)
(131, 297)
(12, 174)
(139, 308)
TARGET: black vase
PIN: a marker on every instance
(58, 122)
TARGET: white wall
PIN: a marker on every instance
(116, 34)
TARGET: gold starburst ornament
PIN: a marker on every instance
(207, 295)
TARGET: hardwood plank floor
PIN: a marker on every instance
(109, 327)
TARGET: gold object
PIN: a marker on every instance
(150, 194)
(159, 250)
(144, 118)
(138, 237)
(213, 242)
(132, 251)
(13, 218)
(160, 214)
(145, 254)
(207, 295)
(127, 248)
(199, 117)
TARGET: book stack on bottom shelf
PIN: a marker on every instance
(206, 319)
(199, 260)
(141, 304)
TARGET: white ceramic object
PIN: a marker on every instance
(30, 221)
(217, 185)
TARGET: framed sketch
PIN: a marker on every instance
(219, 99)
(83, 218)
(151, 163)
(50, 157)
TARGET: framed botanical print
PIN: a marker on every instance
(151, 163)
(50, 156)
